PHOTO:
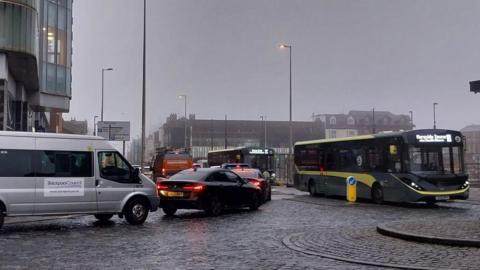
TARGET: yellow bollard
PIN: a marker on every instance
(351, 189)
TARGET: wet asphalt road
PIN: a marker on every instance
(236, 240)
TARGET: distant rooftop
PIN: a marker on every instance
(470, 128)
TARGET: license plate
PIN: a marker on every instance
(442, 198)
(174, 194)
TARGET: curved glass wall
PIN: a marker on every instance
(18, 26)
(56, 44)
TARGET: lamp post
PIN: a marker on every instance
(95, 125)
(184, 97)
(373, 124)
(142, 150)
(434, 118)
(264, 120)
(290, 167)
(103, 75)
(411, 118)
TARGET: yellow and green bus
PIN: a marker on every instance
(411, 166)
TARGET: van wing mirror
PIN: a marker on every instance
(136, 174)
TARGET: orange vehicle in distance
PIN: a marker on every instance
(168, 162)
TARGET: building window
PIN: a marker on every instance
(51, 45)
(333, 134)
(350, 121)
(333, 120)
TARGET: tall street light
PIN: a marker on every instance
(264, 120)
(103, 75)
(434, 118)
(290, 167)
(95, 125)
(142, 150)
(184, 97)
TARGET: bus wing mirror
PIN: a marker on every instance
(393, 150)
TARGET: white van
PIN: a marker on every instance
(59, 174)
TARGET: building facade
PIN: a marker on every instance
(35, 63)
(356, 123)
(204, 135)
(472, 151)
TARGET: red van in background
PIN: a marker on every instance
(168, 162)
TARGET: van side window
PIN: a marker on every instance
(114, 167)
(64, 164)
(16, 163)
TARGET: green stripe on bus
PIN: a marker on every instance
(366, 179)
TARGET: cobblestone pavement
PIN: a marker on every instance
(467, 230)
(237, 240)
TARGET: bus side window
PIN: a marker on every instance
(330, 160)
(375, 159)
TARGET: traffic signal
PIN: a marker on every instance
(475, 86)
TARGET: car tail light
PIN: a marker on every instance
(161, 187)
(195, 188)
(255, 182)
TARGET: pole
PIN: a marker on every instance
(434, 118)
(265, 131)
(185, 96)
(373, 124)
(143, 84)
(95, 125)
(225, 131)
(290, 123)
(123, 149)
(260, 144)
(211, 134)
(103, 72)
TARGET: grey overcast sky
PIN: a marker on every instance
(347, 55)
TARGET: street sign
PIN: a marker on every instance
(475, 86)
(351, 189)
(114, 130)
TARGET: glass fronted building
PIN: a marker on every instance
(35, 63)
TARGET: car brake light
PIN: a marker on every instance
(255, 182)
(196, 188)
(161, 187)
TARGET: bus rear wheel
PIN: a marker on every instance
(377, 194)
(311, 188)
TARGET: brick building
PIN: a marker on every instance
(363, 122)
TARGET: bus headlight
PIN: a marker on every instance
(415, 186)
(465, 185)
(411, 183)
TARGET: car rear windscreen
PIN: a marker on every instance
(190, 175)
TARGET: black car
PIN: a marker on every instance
(209, 189)
(255, 177)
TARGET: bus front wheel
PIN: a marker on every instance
(377, 193)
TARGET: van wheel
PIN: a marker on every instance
(103, 217)
(169, 210)
(136, 211)
(214, 207)
(377, 194)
